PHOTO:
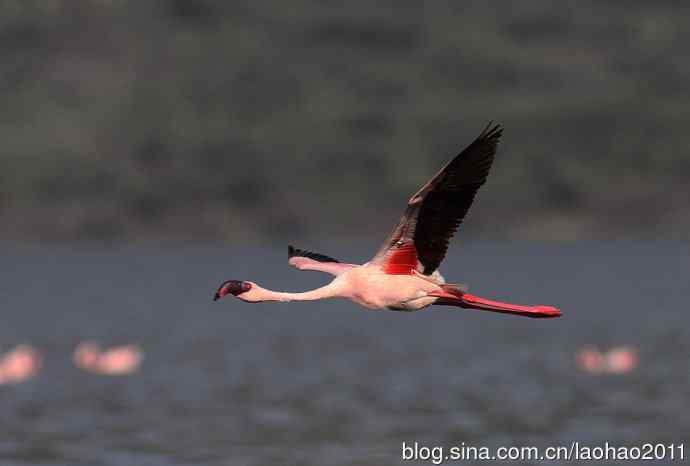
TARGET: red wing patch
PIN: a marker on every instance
(401, 260)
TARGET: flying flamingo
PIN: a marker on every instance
(403, 275)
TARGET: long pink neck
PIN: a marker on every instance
(329, 291)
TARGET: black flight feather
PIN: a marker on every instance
(294, 252)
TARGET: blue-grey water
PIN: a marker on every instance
(328, 383)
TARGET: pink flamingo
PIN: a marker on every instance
(622, 359)
(590, 359)
(617, 360)
(403, 275)
(19, 364)
(115, 361)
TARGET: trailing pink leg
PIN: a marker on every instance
(468, 301)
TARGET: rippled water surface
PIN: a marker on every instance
(327, 383)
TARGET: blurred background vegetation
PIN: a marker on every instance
(175, 120)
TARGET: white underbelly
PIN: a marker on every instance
(376, 290)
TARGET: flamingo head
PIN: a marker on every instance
(233, 287)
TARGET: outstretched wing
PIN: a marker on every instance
(307, 260)
(434, 213)
(294, 252)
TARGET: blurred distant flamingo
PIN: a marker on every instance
(622, 359)
(618, 360)
(115, 361)
(404, 274)
(19, 364)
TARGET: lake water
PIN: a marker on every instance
(328, 383)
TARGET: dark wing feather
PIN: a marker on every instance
(435, 212)
(294, 252)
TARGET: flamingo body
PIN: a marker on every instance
(403, 275)
(374, 288)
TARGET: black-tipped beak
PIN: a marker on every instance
(233, 287)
